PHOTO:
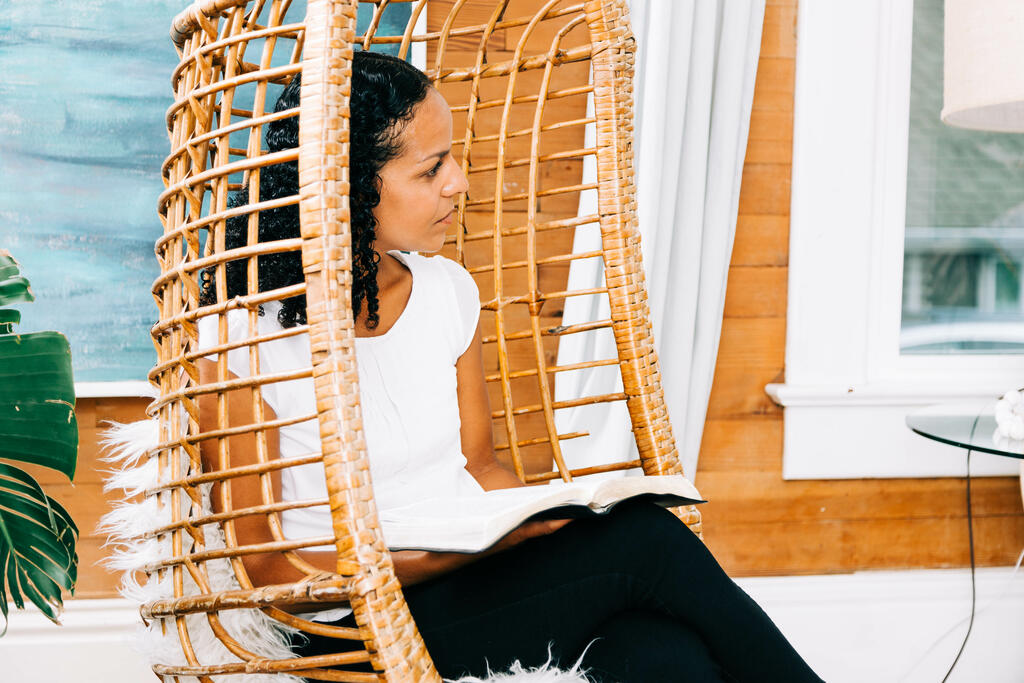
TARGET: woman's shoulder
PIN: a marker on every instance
(456, 289)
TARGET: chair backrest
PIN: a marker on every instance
(525, 80)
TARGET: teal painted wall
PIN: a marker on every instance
(84, 86)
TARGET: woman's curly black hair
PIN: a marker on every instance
(385, 92)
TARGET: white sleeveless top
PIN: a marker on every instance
(407, 390)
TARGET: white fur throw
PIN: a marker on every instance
(128, 447)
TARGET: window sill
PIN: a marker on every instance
(853, 432)
(127, 389)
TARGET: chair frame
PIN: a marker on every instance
(365, 575)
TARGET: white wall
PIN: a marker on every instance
(868, 626)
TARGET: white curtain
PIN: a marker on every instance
(695, 71)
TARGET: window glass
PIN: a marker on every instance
(964, 244)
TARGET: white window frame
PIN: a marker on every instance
(847, 389)
(125, 389)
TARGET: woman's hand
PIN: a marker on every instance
(525, 532)
(414, 566)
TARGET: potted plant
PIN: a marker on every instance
(37, 426)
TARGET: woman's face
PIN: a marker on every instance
(420, 186)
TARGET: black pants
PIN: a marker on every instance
(635, 589)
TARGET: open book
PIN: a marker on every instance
(475, 522)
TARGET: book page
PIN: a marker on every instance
(473, 522)
(613, 490)
(483, 505)
(465, 523)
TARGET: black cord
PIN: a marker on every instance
(970, 544)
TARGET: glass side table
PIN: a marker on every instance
(970, 425)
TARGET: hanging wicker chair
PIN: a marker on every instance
(518, 74)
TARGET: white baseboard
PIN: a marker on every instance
(851, 628)
(882, 626)
(94, 643)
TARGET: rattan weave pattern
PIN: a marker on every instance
(518, 74)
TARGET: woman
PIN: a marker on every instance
(635, 590)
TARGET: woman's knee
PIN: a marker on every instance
(640, 646)
(648, 542)
(643, 529)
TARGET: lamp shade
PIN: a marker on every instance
(984, 65)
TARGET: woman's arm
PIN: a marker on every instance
(249, 491)
(475, 415)
(411, 566)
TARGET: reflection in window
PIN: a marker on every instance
(964, 244)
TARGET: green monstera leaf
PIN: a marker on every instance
(37, 426)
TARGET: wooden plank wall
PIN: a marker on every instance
(85, 499)
(756, 523)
